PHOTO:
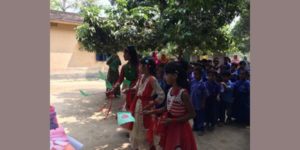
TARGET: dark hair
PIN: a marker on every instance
(150, 64)
(177, 68)
(227, 59)
(242, 63)
(133, 55)
(184, 64)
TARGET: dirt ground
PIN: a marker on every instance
(81, 118)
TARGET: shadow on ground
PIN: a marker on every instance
(81, 118)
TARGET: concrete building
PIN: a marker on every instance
(65, 53)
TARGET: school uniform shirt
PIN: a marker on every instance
(225, 68)
(234, 76)
(204, 75)
(198, 91)
(213, 89)
(227, 94)
(241, 109)
(242, 88)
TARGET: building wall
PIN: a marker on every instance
(64, 49)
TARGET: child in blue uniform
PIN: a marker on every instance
(198, 96)
(226, 98)
(213, 89)
(242, 98)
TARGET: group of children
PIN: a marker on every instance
(164, 97)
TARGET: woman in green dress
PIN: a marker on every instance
(113, 63)
(129, 73)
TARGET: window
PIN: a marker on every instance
(101, 57)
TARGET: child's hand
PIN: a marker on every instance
(109, 94)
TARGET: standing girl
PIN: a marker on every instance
(142, 136)
(129, 72)
(177, 132)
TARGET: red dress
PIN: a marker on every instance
(142, 132)
(177, 134)
(131, 74)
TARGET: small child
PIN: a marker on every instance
(213, 89)
(226, 98)
(242, 98)
(234, 72)
(177, 132)
(198, 96)
(226, 66)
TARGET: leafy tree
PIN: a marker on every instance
(97, 34)
(63, 5)
(180, 26)
(241, 31)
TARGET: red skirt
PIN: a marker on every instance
(177, 135)
(130, 106)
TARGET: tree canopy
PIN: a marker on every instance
(241, 32)
(182, 26)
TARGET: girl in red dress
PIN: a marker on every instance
(129, 72)
(174, 127)
(147, 87)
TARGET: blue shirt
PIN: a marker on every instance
(213, 89)
(227, 93)
(242, 88)
(226, 68)
(198, 92)
(204, 75)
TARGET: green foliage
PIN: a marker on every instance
(63, 5)
(173, 26)
(55, 5)
(241, 31)
(97, 34)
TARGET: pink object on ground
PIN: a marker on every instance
(59, 139)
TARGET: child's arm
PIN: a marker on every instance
(120, 80)
(190, 114)
(155, 111)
